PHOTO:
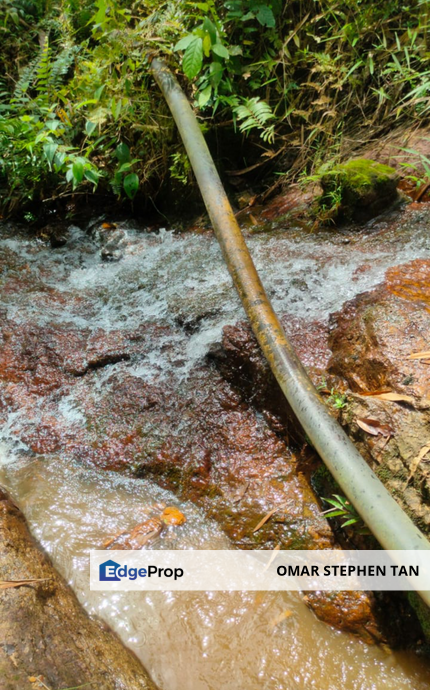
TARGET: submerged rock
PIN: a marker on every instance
(358, 190)
(44, 632)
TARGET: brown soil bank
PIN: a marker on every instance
(44, 633)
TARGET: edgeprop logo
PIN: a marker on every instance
(110, 571)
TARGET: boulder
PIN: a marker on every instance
(357, 190)
(45, 635)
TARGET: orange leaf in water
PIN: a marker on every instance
(374, 427)
(109, 226)
(173, 516)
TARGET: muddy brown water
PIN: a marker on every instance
(203, 641)
(186, 640)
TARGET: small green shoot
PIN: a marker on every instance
(341, 507)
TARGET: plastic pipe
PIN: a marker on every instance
(393, 529)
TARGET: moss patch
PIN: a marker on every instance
(357, 190)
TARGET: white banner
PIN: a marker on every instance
(330, 570)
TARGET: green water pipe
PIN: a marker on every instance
(390, 525)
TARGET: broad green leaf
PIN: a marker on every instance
(49, 150)
(52, 125)
(125, 166)
(90, 127)
(265, 16)
(216, 71)
(92, 176)
(184, 42)
(131, 185)
(59, 159)
(207, 43)
(116, 109)
(235, 50)
(98, 92)
(221, 51)
(122, 152)
(204, 96)
(193, 58)
(78, 172)
(210, 27)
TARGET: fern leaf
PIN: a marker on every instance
(43, 70)
(254, 114)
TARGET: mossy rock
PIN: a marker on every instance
(358, 190)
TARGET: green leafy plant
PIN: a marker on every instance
(337, 400)
(312, 78)
(254, 114)
(421, 167)
(180, 168)
(341, 507)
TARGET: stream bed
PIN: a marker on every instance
(146, 323)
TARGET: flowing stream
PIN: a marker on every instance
(204, 641)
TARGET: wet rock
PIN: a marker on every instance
(43, 630)
(358, 190)
(240, 360)
(86, 393)
(372, 338)
(293, 204)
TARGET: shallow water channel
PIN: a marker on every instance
(186, 640)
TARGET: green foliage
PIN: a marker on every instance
(254, 114)
(306, 76)
(337, 400)
(180, 169)
(418, 171)
(81, 100)
(341, 507)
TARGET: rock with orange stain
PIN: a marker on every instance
(411, 281)
(372, 338)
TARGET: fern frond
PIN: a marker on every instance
(255, 113)
(43, 70)
(25, 80)
(60, 66)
